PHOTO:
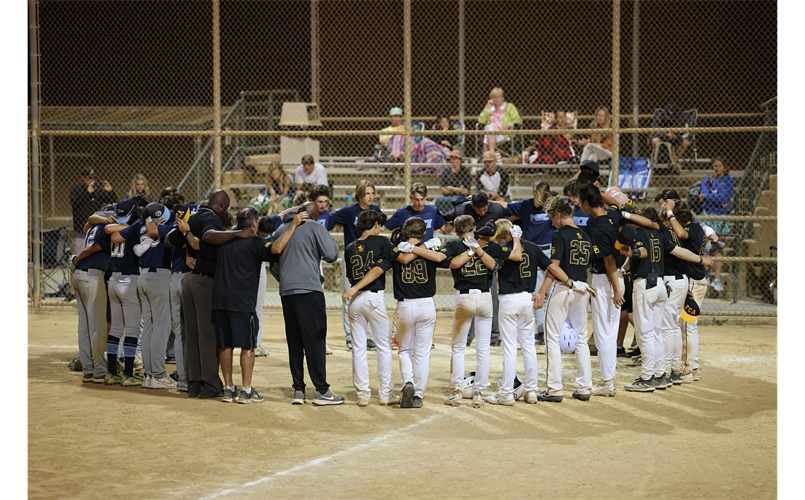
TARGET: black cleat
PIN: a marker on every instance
(544, 396)
(407, 396)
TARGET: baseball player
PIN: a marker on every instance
(581, 219)
(369, 256)
(472, 263)
(347, 218)
(571, 250)
(90, 295)
(417, 208)
(518, 281)
(153, 289)
(693, 238)
(647, 248)
(603, 232)
(123, 297)
(537, 229)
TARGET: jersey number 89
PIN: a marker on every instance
(415, 272)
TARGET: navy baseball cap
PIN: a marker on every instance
(589, 172)
(124, 210)
(157, 210)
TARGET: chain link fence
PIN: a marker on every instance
(130, 88)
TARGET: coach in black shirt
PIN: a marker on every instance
(202, 351)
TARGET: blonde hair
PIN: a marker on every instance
(504, 229)
(559, 205)
(360, 189)
(496, 91)
(284, 178)
(139, 177)
(541, 191)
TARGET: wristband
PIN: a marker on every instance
(701, 259)
(636, 252)
(626, 215)
(670, 214)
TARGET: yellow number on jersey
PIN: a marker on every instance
(579, 252)
(524, 272)
(415, 272)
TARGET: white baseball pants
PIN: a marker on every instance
(691, 361)
(606, 319)
(567, 304)
(476, 305)
(346, 285)
(416, 319)
(517, 323)
(369, 308)
(671, 330)
(648, 307)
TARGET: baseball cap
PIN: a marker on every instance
(157, 211)
(488, 230)
(589, 172)
(691, 310)
(184, 212)
(124, 210)
(454, 154)
(489, 156)
(395, 111)
(626, 237)
(89, 172)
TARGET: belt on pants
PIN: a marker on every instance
(403, 299)
(472, 291)
(545, 247)
(151, 269)
(677, 277)
(517, 293)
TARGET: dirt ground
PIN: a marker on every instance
(716, 438)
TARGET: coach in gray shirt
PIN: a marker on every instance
(303, 304)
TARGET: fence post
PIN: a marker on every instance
(36, 188)
(461, 95)
(635, 71)
(216, 89)
(409, 137)
(616, 86)
(314, 51)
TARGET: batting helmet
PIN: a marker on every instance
(568, 339)
(519, 387)
(467, 385)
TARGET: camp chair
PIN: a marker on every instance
(634, 176)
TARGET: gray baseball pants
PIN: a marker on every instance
(177, 323)
(153, 288)
(201, 349)
(90, 294)
(125, 305)
(261, 300)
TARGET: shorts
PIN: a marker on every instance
(628, 286)
(236, 329)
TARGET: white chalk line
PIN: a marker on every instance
(55, 346)
(319, 461)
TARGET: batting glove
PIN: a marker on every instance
(516, 232)
(433, 244)
(71, 260)
(581, 288)
(405, 247)
(471, 243)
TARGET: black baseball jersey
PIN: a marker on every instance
(516, 277)
(414, 280)
(124, 260)
(205, 220)
(362, 255)
(603, 231)
(573, 249)
(674, 266)
(474, 274)
(695, 243)
(657, 245)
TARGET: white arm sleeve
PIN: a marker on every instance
(142, 247)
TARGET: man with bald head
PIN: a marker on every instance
(209, 226)
(303, 304)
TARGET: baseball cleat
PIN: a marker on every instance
(394, 399)
(250, 397)
(370, 345)
(182, 386)
(363, 401)
(98, 379)
(687, 378)
(544, 396)
(539, 338)
(605, 388)
(86, 378)
(581, 397)
(697, 374)
(659, 383)
(133, 381)
(230, 395)
(75, 365)
(110, 379)
(453, 399)
(260, 352)
(499, 399)
(416, 402)
(327, 399)
(349, 345)
(640, 385)
(676, 378)
(298, 398)
(406, 399)
(531, 397)
(327, 350)
(147, 382)
(477, 399)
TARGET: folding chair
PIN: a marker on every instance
(661, 118)
(55, 269)
(455, 125)
(634, 176)
(479, 139)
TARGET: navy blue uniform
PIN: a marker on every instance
(98, 260)
(537, 227)
(348, 218)
(124, 260)
(581, 219)
(158, 256)
(429, 214)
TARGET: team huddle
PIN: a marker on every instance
(525, 268)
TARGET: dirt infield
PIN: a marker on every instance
(716, 438)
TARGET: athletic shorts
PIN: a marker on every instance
(236, 329)
(628, 286)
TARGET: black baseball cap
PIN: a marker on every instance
(626, 237)
(89, 172)
(124, 210)
(691, 310)
(589, 172)
(488, 230)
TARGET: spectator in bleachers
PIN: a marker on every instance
(279, 188)
(85, 200)
(555, 149)
(494, 179)
(671, 118)
(455, 181)
(716, 198)
(598, 147)
(139, 185)
(310, 174)
(392, 140)
(449, 142)
(497, 116)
